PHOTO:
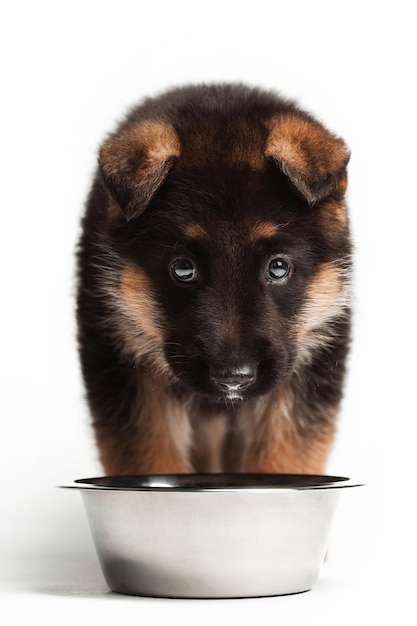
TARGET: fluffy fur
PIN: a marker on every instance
(214, 286)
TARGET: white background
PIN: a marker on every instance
(69, 71)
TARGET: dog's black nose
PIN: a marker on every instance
(233, 380)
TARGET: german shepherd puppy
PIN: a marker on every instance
(214, 286)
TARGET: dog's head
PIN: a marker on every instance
(228, 213)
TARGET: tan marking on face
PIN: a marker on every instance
(196, 231)
(326, 296)
(263, 230)
(141, 306)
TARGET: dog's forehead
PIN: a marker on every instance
(248, 231)
(229, 215)
(204, 203)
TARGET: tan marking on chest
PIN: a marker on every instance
(209, 435)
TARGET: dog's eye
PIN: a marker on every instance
(184, 270)
(278, 269)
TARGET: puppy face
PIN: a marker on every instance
(229, 272)
(234, 257)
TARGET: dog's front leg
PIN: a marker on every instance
(278, 442)
(156, 441)
(288, 454)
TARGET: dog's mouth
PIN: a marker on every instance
(230, 395)
(233, 395)
(227, 385)
(233, 382)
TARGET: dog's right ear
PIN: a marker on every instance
(135, 162)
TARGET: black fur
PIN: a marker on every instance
(213, 181)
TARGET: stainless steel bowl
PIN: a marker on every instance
(211, 535)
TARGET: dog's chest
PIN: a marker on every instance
(209, 435)
(220, 442)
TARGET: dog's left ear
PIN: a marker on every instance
(135, 162)
(311, 157)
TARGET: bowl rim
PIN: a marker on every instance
(208, 483)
